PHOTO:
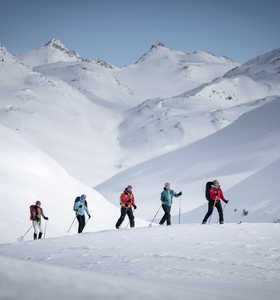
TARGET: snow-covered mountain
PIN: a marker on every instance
(79, 134)
(162, 124)
(160, 72)
(53, 51)
(163, 72)
(113, 90)
(232, 154)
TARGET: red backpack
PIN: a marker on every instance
(32, 212)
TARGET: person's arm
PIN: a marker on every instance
(177, 194)
(133, 201)
(86, 209)
(42, 212)
(163, 197)
(222, 196)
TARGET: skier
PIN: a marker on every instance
(36, 212)
(214, 196)
(127, 202)
(80, 206)
(166, 200)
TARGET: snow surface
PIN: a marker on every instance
(232, 154)
(180, 262)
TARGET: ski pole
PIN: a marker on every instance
(45, 230)
(224, 206)
(71, 224)
(154, 217)
(212, 212)
(87, 221)
(21, 238)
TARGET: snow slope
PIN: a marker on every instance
(258, 195)
(232, 154)
(167, 123)
(78, 133)
(27, 174)
(180, 262)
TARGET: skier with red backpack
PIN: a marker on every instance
(36, 212)
(214, 195)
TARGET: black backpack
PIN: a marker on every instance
(207, 190)
(78, 199)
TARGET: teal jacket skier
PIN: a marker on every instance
(166, 200)
(167, 196)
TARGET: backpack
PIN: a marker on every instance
(207, 190)
(32, 212)
(77, 200)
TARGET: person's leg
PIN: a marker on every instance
(131, 217)
(209, 212)
(40, 230)
(220, 211)
(83, 222)
(121, 218)
(80, 223)
(168, 215)
(34, 223)
(164, 218)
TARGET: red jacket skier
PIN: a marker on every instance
(216, 195)
(127, 202)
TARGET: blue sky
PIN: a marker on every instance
(121, 31)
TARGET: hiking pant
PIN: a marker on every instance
(37, 227)
(167, 215)
(126, 211)
(218, 205)
(82, 223)
(38, 232)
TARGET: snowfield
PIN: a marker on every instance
(232, 154)
(181, 262)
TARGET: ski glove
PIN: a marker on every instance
(134, 206)
(89, 216)
(180, 194)
(126, 205)
(81, 206)
(227, 201)
(46, 218)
